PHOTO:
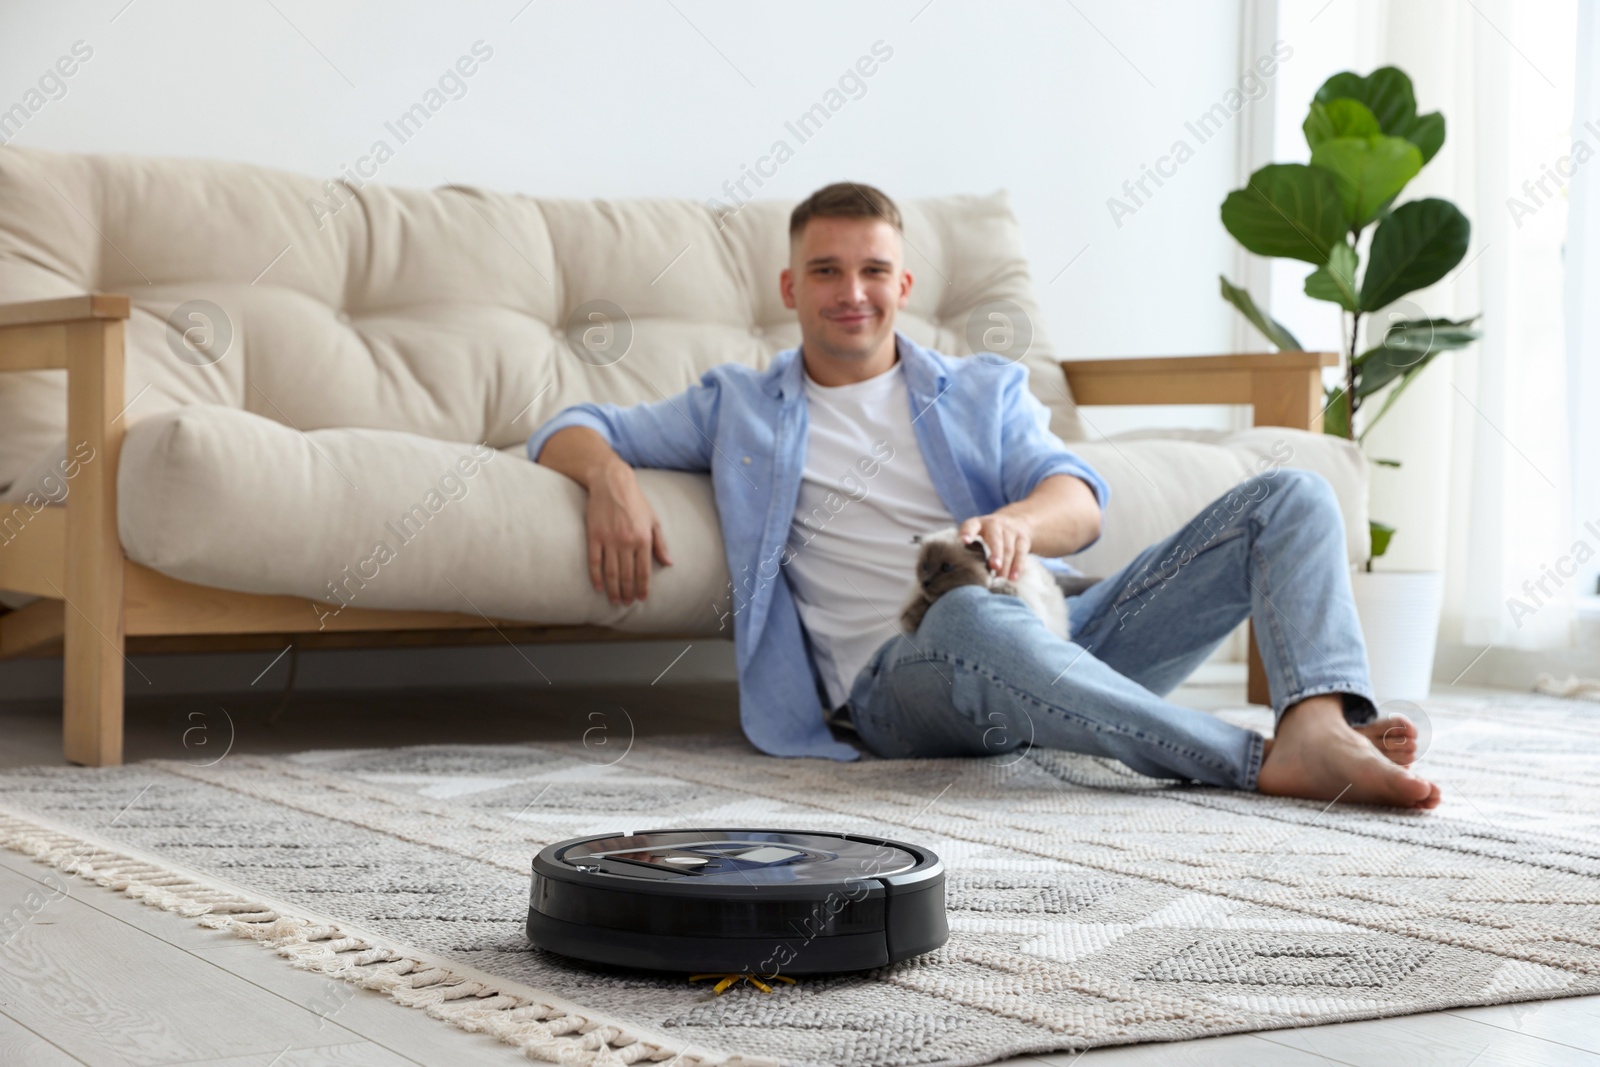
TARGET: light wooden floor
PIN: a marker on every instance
(99, 979)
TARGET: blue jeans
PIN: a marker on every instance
(982, 675)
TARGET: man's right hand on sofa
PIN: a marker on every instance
(623, 531)
(623, 534)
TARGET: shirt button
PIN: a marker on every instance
(745, 460)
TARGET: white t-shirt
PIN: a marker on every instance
(865, 492)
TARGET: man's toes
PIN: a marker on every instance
(1402, 786)
(1417, 791)
(1395, 726)
(1397, 751)
(1394, 736)
(1431, 800)
(1380, 781)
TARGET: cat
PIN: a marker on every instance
(945, 563)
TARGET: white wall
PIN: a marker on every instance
(655, 98)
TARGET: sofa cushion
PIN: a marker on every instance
(387, 519)
(1161, 479)
(452, 313)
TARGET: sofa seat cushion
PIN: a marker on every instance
(1160, 479)
(385, 519)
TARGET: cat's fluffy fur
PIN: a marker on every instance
(945, 563)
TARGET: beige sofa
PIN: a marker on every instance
(240, 407)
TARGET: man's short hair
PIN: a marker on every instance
(844, 200)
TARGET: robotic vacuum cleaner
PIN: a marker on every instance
(759, 902)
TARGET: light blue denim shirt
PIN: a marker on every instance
(985, 439)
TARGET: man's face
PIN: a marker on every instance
(846, 280)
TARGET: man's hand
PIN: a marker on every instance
(624, 534)
(1009, 537)
(1060, 517)
(623, 530)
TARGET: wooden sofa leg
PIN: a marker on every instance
(92, 659)
(92, 636)
(1256, 689)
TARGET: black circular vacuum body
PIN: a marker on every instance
(761, 902)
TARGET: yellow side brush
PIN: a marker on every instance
(726, 981)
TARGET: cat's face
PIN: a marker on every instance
(945, 564)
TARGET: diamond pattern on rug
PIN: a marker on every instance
(1088, 906)
(1288, 960)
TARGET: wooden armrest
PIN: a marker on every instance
(33, 334)
(64, 309)
(1285, 388)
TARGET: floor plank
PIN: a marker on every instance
(1433, 1040)
(1235, 1050)
(372, 1015)
(175, 931)
(359, 1054)
(1572, 1021)
(108, 993)
(21, 1047)
(392, 1028)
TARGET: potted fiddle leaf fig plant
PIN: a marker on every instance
(1367, 142)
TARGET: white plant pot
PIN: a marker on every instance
(1399, 613)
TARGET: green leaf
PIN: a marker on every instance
(1407, 349)
(1384, 365)
(1335, 419)
(1288, 209)
(1414, 247)
(1428, 335)
(1386, 92)
(1370, 171)
(1427, 133)
(1408, 345)
(1388, 463)
(1270, 327)
(1339, 118)
(1335, 280)
(1382, 534)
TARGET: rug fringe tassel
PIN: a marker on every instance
(545, 1032)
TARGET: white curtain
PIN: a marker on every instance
(1583, 300)
(1485, 491)
(1509, 110)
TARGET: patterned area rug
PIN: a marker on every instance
(1088, 906)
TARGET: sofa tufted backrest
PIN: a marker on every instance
(454, 313)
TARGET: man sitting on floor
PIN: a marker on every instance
(911, 440)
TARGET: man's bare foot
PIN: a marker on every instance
(1393, 735)
(1317, 756)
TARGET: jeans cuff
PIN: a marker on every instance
(1359, 707)
(1252, 761)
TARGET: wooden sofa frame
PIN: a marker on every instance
(96, 606)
